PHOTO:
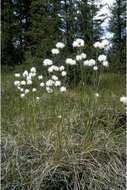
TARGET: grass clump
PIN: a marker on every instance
(70, 142)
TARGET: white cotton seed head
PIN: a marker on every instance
(78, 43)
(17, 75)
(75, 44)
(70, 61)
(54, 77)
(47, 62)
(64, 73)
(60, 45)
(59, 116)
(17, 83)
(123, 99)
(97, 94)
(29, 77)
(78, 57)
(105, 43)
(27, 91)
(61, 68)
(92, 62)
(73, 62)
(86, 63)
(42, 84)
(105, 63)
(49, 83)
(55, 51)
(40, 77)
(99, 45)
(34, 90)
(58, 83)
(55, 68)
(63, 89)
(83, 55)
(96, 44)
(33, 70)
(29, 82)
(33, 74)
(95, 68)
(89, 63)
(37, 98)
(22, 95)
(25, 74)
(102, 44)
(78, 12)
(102, 58)
(21, 89)
(49, 90)
(18, 87)
(23, 82)
(50, 69)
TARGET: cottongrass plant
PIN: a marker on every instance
(30, 83)
(57, 73)
(76, 144)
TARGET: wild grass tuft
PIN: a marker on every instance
(70, 142)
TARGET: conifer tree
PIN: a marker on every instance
(7, 47)
(15, 19)
(44, 27)
(77, 20)
(118, 28)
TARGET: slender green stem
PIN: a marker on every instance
(99, 78)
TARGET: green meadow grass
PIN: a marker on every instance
(71, 141)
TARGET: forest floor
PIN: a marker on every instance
(74, 141)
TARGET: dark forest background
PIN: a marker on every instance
(30, 28)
